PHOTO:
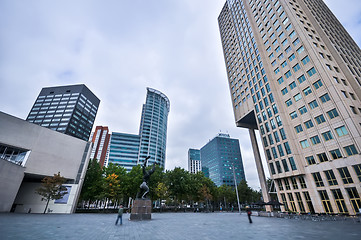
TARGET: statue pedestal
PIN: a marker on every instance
(141, 210)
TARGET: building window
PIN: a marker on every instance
(278, 165)
(292, 202)
(310, 160)
(320, 119)
(298, 128)
(325, 201)
(294, 183)
(313, 104)
(296, 67)
(340, 201)
(325, 98)
(350, 150)
(302, 182)
(354, 198)
(322, 157)
(292, 163)
(283, 133)
(315, 140)
(287, 184)
(307, 91)
(332, 113)
(288, 74)
(305, 60)
(285, 166)
(357, 171)
(293, 115)
(284, 201)
(291, 57)
(341, 131)
(311, 72)
(302, 110)
(272, 168)
(304, 144)
(309, 124)
(345, 175)
(309, 202)
(284, 91)
(280, 80)
(287, 147)
(300, 50)
(301, 79)
(327, 135)
(297, 97)
(317, 84)
(331, 178)
(300, 203)
(336, 154)
(289, 102)
(292, 85)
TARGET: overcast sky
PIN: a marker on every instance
(120, 47)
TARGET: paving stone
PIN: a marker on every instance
(166, 226)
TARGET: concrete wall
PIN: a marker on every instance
(50, 152)
(11, 176)
(29, 199)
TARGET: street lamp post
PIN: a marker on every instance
(235, 184)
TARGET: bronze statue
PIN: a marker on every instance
(146, 176)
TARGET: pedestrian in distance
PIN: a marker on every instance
(249, 213)
(120, 215)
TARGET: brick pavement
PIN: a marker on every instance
(166, 226)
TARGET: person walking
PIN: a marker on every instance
(249, 213)
(120, 215)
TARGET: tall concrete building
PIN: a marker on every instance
(219, 156)
(294, 74)
(129, 150)
(194, 160)
(66, 109)
(100, 139)
(153, 127)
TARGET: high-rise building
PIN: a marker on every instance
(124, 150)
(219, 156)
(294, 74)
(128, 150)
(100, 139)
(194, 160)
(66, 109)
(153, 127)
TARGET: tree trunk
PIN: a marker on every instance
(47, 203)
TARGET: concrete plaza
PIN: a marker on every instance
(169, 226)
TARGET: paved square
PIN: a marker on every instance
(168, 226)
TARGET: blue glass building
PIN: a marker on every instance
(128, 150)
(218, 156)
(123, 150)
(153, 127)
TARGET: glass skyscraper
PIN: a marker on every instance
(66, 109)
(218, 158)
(153, 127)
(128, 150)
(294, 74)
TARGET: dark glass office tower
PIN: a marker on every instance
(153, 127)
(66, 109)
(218, 158)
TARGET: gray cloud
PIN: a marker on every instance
(118, 48)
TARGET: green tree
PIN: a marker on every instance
(93, 183)
(178, 183)
(156, 178)
(52, 188)
(121, 174)
(132, 181)
(227, 195)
